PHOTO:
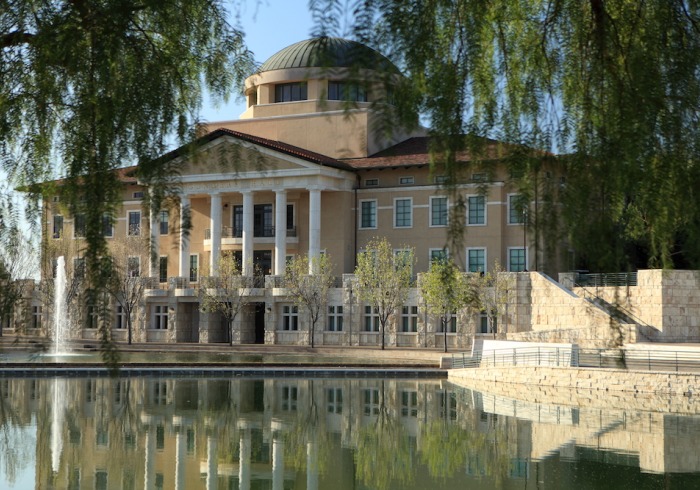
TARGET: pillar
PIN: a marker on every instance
(314, 228)
(244, 461)
(280, 231)
(212, 462)
(215, 227)
(180, 446)
(247, 233)
(277, 461)
(154, 249)
(184, 270)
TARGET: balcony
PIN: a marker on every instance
(258, 232)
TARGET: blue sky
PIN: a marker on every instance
(269, 26)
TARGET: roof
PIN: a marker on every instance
(327, 52)
(279, 146)
(416, 152)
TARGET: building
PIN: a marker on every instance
(300, 173)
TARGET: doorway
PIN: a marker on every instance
(259, 323)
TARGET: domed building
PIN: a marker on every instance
(303, 171)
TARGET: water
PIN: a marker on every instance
(59, 311)
(220, 434)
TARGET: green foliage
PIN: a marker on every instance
(383, 278)
(307, 281)
(225, 292)
(613, 85)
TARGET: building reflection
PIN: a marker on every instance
(216, 434)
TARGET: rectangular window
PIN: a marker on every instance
(134, 223)
(194, 267)
(371, 323)
(93, 317)
(164, 219)
(290, 217)
(57, 226)
(371, 182)
(476, 210)
(160, 393)
(483, 322)
(290, 396)
(409, 318)
(160, 445)
(160, 317)
(403, 213)
(289, 92)
(133, 266)
(438, 211)
(402, 258)
(79, 226)
(334, 397)
(290, 317)
(516, 209)
(440, 179)
(476, 260)
(347, 91)
(238, 221)
(101, 480)
(370, 398)
(36, 316)
(138, 195)
(79, 267)
(107, 226)
(120, 319)
(437, 255)
(409, 404)
(517, 258)
(163, 269)
(335, 318)
(406, 180)
(479, 177)
(262, 221)
(368, 214)
(451, 324)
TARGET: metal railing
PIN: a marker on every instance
(606, 279)
(632, 359)
(258, 231)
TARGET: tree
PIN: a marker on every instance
(446, 290)
(225, 293)
(127, 284)
(383, 278)
(492, 294)
(612, 84)
(309, 291)
(97, 85)
(17, 257)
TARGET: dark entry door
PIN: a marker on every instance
(259, 323)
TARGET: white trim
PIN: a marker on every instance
(410, 200)
(526, 257)
(376, 215)
(430, 211)
(486, 258)
(486, 210)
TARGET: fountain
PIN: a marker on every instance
(57, 411)
(60, 320)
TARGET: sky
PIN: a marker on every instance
(269, 26)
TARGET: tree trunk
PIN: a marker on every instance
(128, 328)
(312, 328)
(230, 332)
(382, 335)
(444, 329)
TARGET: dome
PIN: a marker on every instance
(327, 52)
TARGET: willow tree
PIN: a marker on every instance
(611, 84)
(90, 86)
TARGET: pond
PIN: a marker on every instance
(283, 433)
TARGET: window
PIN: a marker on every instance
(371, 323)
(79, 267)
(440, 179)
(406, 180)
(516, 209)
(160, 317)
(160, 393)
(368, 214)
(437, 255)
(335, 318)
(107, 226)
(101, 480)
(409, 318)
(79, 226)
(138, 195)
(57, 226)
(402, 258)
(290, 395)
(101, 437)
(74, 479)
(403, 213)
(120, 319)
(476, 210)
(133, 266)
(289, 92)
(134, 223)
(36, 316)
(483, 322)
(262, 220)
(290, 317)
(160, 444)
(479, 177)
(194, 267)
(451, 324)
(371, 182)
(438, 211)
(370, 398)
(517, 259)
(191, 441)
(334, 397)
(346, 91)
(409, 404)
(238, 221)
(476, 259)
(447, 405)
(164, 219)
(290, 217)
(163, 269)
(93, 317)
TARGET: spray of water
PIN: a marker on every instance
(59, 310)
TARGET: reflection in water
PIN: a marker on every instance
(247, 434)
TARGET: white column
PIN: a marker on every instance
(148, 473)
(247, 233)
(280, 231)
(311, 465)
(184, 270)
(244, 461)
(277, 462)
(180, 446)
(212, 462)
(314, 227)
(215, 227)
(154, 249)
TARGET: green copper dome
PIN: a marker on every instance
(327, 52)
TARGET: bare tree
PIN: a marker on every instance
(224, 294)
(383, 278)
(309, 291)
(17, 265)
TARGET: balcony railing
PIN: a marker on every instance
(258, 232)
